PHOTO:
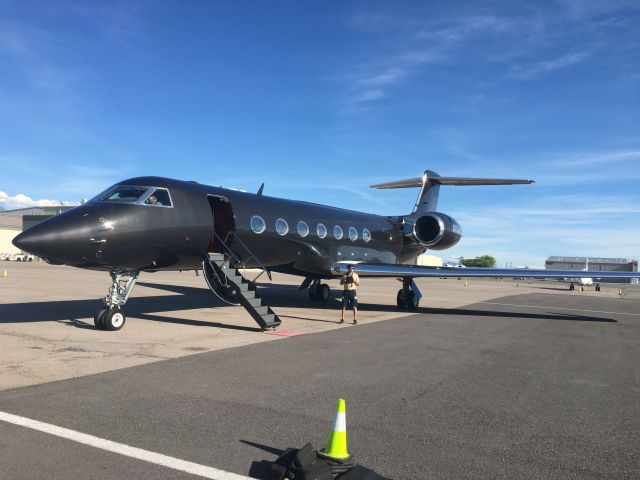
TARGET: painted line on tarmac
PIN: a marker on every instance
(560, 308)
(126, 450)
(466, 304)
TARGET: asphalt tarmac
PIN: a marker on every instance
(538, 385)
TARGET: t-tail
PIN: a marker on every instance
(434, 230)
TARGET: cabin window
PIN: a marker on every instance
(257, 224)
(303, 229)
(366, 235)
(123, 194)
(321, 230)
(159, 198)
(282, 227)
(353, 234)
(337, 232)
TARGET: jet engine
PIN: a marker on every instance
(436, 231)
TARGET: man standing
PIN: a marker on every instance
(350, 280)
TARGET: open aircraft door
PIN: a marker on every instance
(223, 223)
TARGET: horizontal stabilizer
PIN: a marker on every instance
(459, 181)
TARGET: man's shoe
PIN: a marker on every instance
(341, 320)
(355, 322)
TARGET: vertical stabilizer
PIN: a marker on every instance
(427, 200)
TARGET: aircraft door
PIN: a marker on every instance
(223, 222)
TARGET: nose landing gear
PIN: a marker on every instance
(111, 317)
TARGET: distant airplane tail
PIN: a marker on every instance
(430, 187)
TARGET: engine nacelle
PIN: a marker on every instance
(436, 231)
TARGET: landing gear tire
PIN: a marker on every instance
(98, 317)
(114, 319)
(412, 301)
(324, 292)
(402, 299)
(314, 293)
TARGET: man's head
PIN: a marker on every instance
(349, 268)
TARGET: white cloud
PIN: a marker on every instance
(22, 201)
(534, 70)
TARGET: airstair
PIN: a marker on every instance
(222, 273)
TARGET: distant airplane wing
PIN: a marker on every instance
(399, 270)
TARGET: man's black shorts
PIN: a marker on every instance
(349, 299)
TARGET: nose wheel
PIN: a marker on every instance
(111, 317)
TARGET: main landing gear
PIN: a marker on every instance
(111, 317)
(409, 295)
(319, 292)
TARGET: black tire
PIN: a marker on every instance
(114, 319)
(324, 293)
(313, 292)
(98, 317)
(412, 301)
(402, 299)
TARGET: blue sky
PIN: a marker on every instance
(321, 100)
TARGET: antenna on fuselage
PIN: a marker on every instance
(260, 189)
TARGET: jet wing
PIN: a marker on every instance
(400, 270)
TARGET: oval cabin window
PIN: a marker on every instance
(282, 227)
(321, 230)
(303, 229)
(257, 224)
(337, 232)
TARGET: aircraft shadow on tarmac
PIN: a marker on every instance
(148, 308)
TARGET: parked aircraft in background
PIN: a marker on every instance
(148, 224)
(582, 281)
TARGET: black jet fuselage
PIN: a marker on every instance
(284, 235)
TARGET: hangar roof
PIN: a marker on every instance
(48, 211)
(616, 261)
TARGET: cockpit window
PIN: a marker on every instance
(123, 194)
(139, 195)
(159, 198)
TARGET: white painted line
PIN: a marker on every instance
(455, 300)
(560, 308)
(126, 450)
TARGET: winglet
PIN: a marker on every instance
(260, 189)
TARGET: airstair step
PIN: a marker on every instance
(262, 310)
(270, 319)
(255, 302)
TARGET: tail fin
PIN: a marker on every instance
(430, 186)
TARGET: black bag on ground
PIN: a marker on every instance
(302, 464)
(361, 473)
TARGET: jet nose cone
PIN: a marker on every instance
(25, 241)
(54, 239)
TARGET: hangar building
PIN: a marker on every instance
(12, 222)
(597, 264)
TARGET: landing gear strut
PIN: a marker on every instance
(409, 296)
(111, 317)
(319, 291)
